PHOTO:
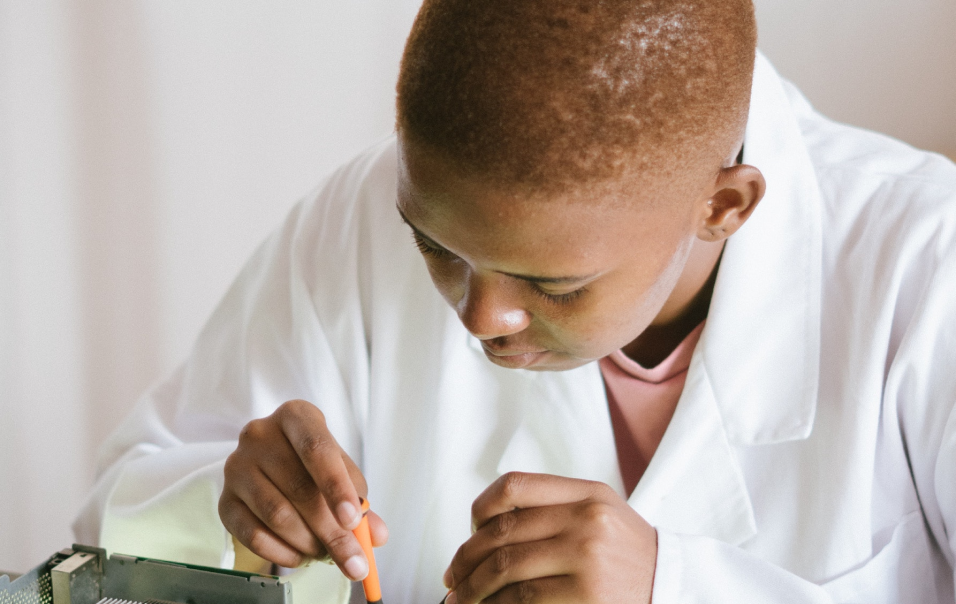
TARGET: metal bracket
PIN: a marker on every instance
(76, 580)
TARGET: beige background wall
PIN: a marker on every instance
(889, 65)
(147, 147)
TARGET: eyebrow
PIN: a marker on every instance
(529, 278)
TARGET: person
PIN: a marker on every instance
(614, 316)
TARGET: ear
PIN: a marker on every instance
(737, 192)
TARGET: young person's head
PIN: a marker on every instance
(567, 163)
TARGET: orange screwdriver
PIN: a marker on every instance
(373, 591)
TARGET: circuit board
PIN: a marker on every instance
(85, 575)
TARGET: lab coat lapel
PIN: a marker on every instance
(694, 484)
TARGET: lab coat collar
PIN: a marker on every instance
(753, 377)
(761, 344)
(694, 484)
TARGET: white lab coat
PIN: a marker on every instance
(812, 456)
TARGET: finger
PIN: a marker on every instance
(513, 564)
(517, 526)
(337, 544)
(378, 529)
(344, 549)
(358, 479)
(550, 590)
(286, 471)
(521, 490)
(305, 428)
(243, 524)
(274, 510)
(340, 544)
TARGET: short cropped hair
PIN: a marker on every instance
(554, 93)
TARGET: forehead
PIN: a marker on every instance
(575, 230)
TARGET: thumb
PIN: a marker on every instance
(377, 528)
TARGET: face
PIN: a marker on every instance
(548, 283)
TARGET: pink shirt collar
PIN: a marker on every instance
(677, 362)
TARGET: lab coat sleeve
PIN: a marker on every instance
(922, 385)
(290, 327)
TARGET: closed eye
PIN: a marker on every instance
(559, 299)
(427, 248)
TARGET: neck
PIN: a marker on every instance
(684, 310)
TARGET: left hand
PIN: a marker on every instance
(541, 538)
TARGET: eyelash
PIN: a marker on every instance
(557, 299)
(425, 248)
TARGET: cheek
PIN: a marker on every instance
(613, 315)
(604, 326)
(591, 328)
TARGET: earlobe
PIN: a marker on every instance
(713, 234)
(737, 192)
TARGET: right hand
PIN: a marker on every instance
(291, 494)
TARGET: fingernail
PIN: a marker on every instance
(356, 568)
(451, 598)
(348, 515)
(446, 578)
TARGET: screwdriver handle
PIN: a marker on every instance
(373, 590)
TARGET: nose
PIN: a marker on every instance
(490, 308)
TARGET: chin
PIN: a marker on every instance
(566, 364)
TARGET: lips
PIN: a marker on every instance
(514, 359)
(508, 353)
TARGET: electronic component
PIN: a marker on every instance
(84, 575)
